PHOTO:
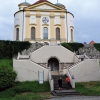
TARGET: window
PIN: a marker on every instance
(45, 33)
(17, 34)
(57, 34)
(72, 35)
(33, 33)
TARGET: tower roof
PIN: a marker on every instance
(24, 4)
(59, 4)
(39, 1)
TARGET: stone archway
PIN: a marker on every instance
(53, 63)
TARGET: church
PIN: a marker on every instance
(43, 22)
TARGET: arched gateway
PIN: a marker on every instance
(53, 63)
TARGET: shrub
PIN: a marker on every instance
(7, 77)
(66, 45)
(97, 46)
(72, 46)
(9, 49)
(75, 46)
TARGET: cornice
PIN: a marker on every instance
(57, 25)
(70, 13)
(33, 24)
(17, 25)
(45, 25)
(72, 27)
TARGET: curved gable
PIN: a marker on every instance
(44, 5)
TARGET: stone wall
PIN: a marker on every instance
(85, 71)
(90, 51)
(32, 48)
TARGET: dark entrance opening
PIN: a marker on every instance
(53, 63)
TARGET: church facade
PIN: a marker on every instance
(43, 22)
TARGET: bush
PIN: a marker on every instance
(7, 77)
(9, 49)
(97, 46)
(75, 46)
(72, 46)
(66, 45)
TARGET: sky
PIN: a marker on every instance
(86, 18)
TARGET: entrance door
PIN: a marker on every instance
(53, 63)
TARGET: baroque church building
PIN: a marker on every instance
(43, 22)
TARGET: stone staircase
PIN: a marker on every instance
(64, 91)
(32, 48)
(56, 86)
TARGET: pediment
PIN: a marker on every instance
(44, 6)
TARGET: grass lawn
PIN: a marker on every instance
(29, 96)
(88, 88)
(27, 91)
(6, 62)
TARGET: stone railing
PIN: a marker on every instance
(72, 81)
(51, 81)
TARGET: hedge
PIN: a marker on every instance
(8, 49)
(97, 46)
(66, 45)
(72, 46)
(75, 46)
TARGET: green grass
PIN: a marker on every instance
(88, 88)
(6, 62)
(26, 91)
(29, 96)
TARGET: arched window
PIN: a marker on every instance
(57, 34)
(71, 35)
(17, 34)
(45, 33)
(33, 33)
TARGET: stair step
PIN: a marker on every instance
(65, 92)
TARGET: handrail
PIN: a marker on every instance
(74, 64)
(71, 79)
(86, 56)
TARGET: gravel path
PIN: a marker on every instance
(76, 98)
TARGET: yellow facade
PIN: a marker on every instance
(49, 12)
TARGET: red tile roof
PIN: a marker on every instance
(92, 42)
